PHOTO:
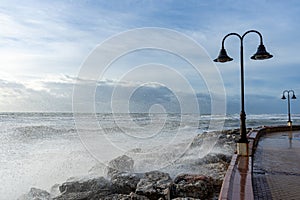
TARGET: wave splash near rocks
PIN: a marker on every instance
(192, 175)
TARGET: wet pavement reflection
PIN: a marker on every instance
(276, 169)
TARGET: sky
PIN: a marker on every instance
(44, 46)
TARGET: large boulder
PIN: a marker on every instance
(224, 140)
(217, 171)
(155, 185)
(124, 182)
(215, 158)
(85, 185)
(36, 194)
(76, 196)
(120, 164)
(193, 185)
(85, 189)
(131, 196)
(205, 137)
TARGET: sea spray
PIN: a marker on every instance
(44, 149)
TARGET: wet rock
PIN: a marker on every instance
(232, 131)
(192, 185)
(36, 194)
(215, 158)
(93, 188)
(190, 178)
(155, 185)
(217, 172)
(131, 196)
(76, 196)
(84, 185)
(88, 195)
(200, 139)
(120, 164)
(124, 182)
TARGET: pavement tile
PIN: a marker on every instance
(276, 169)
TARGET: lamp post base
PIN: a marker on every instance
(289, 123)
(242, 149)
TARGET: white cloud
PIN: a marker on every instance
(49, 37)
(42, 39)
(49, 94)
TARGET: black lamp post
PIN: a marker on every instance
(289, 105)
(261, 54)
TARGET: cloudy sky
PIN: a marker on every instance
(45, 44)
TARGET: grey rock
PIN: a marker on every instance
(200, 138)
(36, 194)
(89, 195)
(224, 137)
(155, 185)
(120, 164)
(90, 189)
(95, 184)
(193, 185)
(124, 182)
(215, 158)
(131, 196)
(76, 196)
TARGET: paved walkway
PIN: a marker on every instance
(276, 169)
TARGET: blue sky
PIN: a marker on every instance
(44, 43)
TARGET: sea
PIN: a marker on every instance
(43, 149)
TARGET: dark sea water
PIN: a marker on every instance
(42, 149)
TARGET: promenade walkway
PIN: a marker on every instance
(276, 167)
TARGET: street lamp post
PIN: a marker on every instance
(261, 54)
(289, 105)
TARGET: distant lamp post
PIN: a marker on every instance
(289, 104)
(261, 54)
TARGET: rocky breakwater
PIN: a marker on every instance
(121, 182)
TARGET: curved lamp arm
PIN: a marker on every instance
(260, 54)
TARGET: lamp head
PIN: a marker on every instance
(294, 97)
(283, 97)
(261, 53)
(223, 57)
